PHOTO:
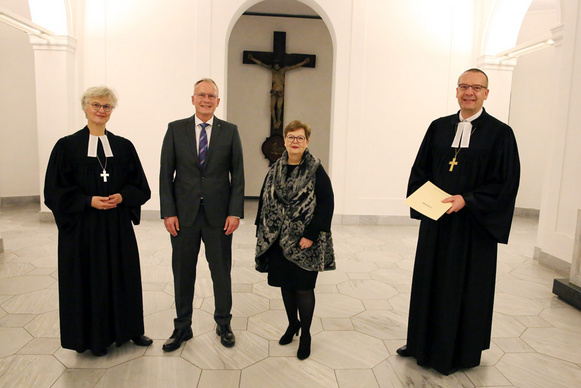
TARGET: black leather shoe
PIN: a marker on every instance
(226, 336)
(403, 351)
(291, 331)
(304, 347)
(142, 340)
(99, 353)
(175, 341)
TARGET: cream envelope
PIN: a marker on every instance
(428, 201)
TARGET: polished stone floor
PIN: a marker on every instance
(360, 319)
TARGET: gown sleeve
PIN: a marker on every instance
(421, 169)
(492, 203)
(62, 194)
(135, 191)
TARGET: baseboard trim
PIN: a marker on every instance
(149, 215)
(524, 212)
(338, 219)
(350, 219)
(45, 216)
(22, 200)
(554, 263)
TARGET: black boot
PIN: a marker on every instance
(291, 330)
(304, 347)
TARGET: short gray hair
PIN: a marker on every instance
(476, 70)
(98, 92)
(209, 80)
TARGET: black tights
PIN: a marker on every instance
(303, 302)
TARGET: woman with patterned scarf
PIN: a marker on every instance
(294, 231)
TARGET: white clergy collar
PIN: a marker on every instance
(92, 150)
(464, 131)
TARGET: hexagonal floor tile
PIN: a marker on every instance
(151, 372)
(207, 352)
(287, 372)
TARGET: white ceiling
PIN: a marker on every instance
(293, 7)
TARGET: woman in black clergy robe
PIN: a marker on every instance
(95, 187)
(294, 231)
(452, 296)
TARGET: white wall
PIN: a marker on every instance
(383, 96)
(532, 106)
(393, 69)
(405, 62)
(560, 198)
(145, 51)
(18, 135)
(395, 65)
(307, 94)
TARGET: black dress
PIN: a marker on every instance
(284, 273)
(100, 296)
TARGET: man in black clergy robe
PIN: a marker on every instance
(94, 200)
(474, 157)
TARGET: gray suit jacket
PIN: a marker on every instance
(182, 184)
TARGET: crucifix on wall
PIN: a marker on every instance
(278, 62)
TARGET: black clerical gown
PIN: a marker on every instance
(453, 285)
(100, 296)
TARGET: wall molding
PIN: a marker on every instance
(551, 262)
(21, 200)
(528, 213)
(338, 219)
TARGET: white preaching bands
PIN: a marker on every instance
(462, 138)
(464, 131)
(92, 152)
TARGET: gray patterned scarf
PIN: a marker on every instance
(288, 205)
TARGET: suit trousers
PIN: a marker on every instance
(218, 247)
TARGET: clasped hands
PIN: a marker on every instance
(106, 203)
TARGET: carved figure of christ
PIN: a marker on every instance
(278, 62)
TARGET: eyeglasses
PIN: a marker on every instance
(96, 106)
(204, 95)
(299, 139)
(476, 87)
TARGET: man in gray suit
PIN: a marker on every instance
(201, 187)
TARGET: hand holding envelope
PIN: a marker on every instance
(428, 201)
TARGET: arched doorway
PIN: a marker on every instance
(307, 90)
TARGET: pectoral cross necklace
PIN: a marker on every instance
(453, 162)
(93, 151)
(104, 174)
